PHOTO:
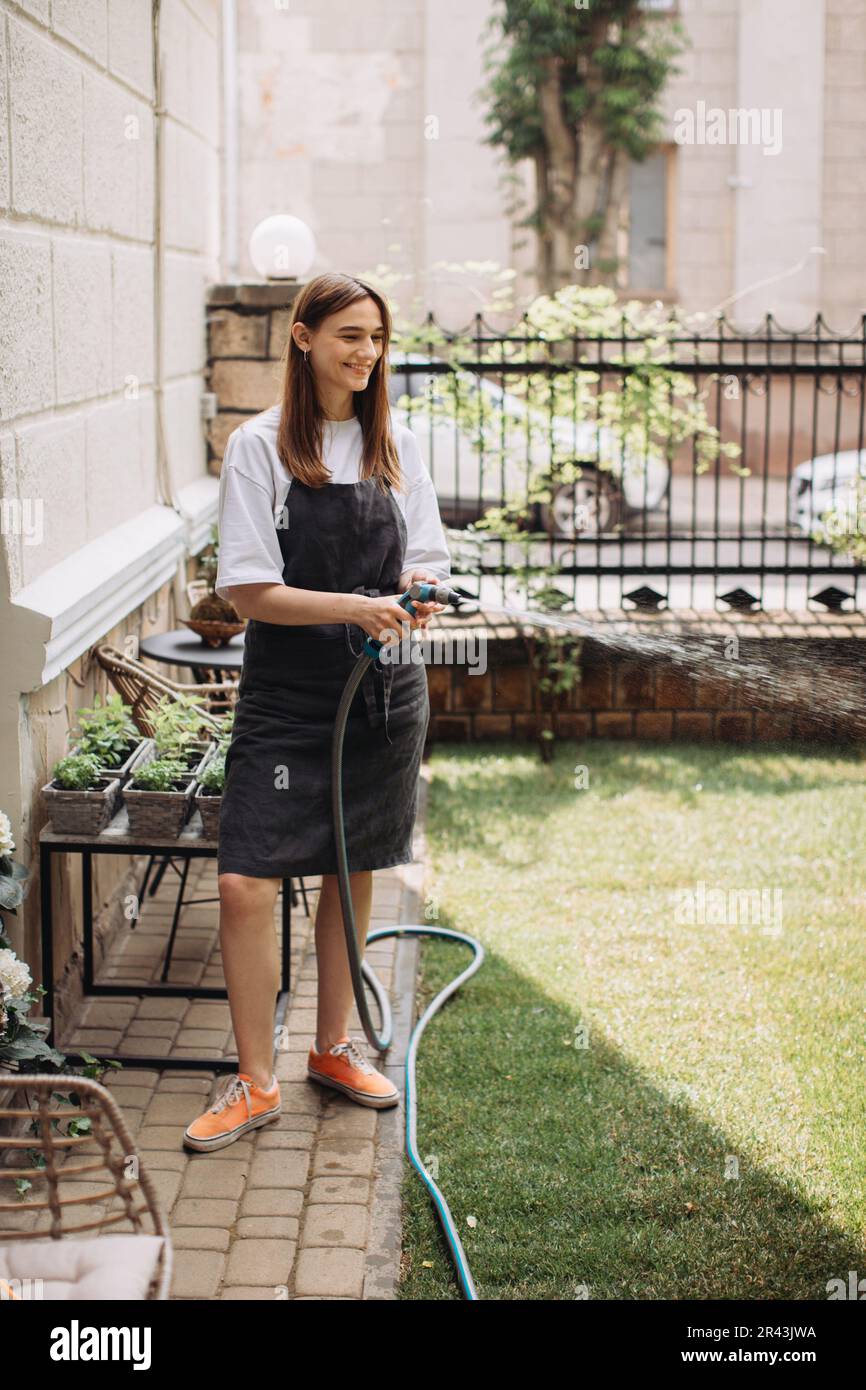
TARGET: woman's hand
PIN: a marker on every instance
(382, 617)
(424, 610)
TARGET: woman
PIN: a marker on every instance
(327, 515)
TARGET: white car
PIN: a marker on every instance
(609, 486)
(830, 482)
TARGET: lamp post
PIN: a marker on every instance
(282, 247)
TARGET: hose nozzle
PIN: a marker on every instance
(433, 593)
(424, 593)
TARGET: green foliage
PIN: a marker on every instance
(649, 413)
(213, 777)
(77, 771)
(179, 721)
(22, 1040)
(160, 775)
(107, 730)
(610, 62)
(845, 524)
(13, 874)
(76, 1125)
(223, 733)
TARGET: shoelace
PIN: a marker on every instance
(352, 1054)
(235, 1088)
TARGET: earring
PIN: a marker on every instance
(307, 356)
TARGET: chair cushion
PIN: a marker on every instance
(108, 1267)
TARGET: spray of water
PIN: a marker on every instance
(834, 692)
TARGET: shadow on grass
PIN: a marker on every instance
(585, 1179)
(585, 1174)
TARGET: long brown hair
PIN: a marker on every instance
(299, 437)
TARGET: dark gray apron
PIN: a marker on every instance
(276, 813)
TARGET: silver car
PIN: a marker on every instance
(613, 481)
(828, 483)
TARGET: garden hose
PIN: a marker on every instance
(361, 972)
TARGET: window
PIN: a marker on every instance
(650, 190)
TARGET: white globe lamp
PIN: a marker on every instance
(282, 247)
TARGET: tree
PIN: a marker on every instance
(574, 88)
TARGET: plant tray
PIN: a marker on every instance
(142, 753)
(75, 812)
(160, 814)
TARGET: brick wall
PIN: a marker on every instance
(621, 696)
(247, 328)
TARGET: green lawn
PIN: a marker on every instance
(708, 1140)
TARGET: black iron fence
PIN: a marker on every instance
(694, 470)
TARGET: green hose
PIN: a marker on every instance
(360, 970)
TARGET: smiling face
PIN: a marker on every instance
(345, 348)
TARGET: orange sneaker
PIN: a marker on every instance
(240, 1107)
(345, 1067)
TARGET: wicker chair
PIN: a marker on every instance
(36, 1231)
(142, 688)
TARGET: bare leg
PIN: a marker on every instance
(248, 940)
(335, 995)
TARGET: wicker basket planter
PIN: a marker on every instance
(164, 814)
(76, 812)
(159, 814)
(208, 804)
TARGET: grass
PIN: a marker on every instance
(630, 1106)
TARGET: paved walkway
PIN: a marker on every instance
(306, 1207)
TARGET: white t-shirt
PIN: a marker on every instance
(254, 486)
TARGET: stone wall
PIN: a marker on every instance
(80, 230)
(819, 662)
(247, 328)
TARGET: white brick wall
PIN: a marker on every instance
(334, 97)
(76, 257)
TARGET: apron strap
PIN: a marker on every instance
(386, 675)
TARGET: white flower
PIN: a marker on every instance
(7, 844)
(15, 977)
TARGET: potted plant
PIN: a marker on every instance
(159, 796)
(208, 796)
(21, 1039)
(108, 730)
(23, 1048)
(80, 798)
(213, 619)
(183, 730)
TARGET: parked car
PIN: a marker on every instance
(610, 487)
(823, 484)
